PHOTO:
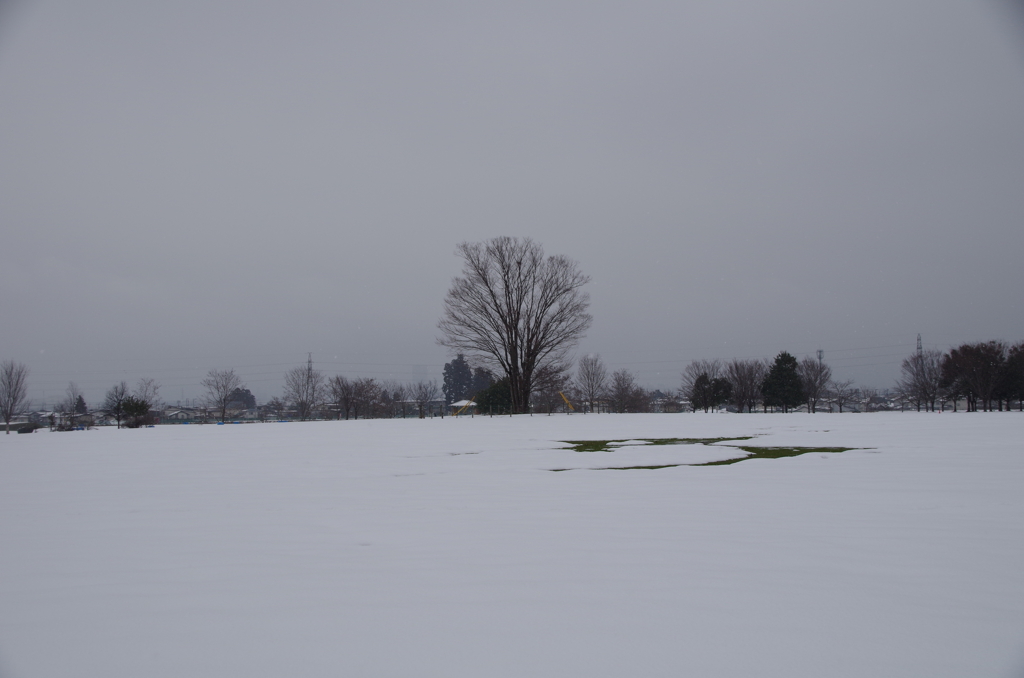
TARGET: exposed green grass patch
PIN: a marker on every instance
(775, 453)
(608, 445)
(750, 452)
(633, 468)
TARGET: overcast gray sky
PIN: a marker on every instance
(221, 184)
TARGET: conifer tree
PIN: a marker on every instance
(781, 388)
(458, 380)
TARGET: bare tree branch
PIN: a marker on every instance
(424, 393)
(220, 385)
(591, 380)
(13, 387)
(305, 388)
(515, 310)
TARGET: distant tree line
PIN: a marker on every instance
(983, 376)
(989, 375)
(512, 319)
(986, 374)
(311, 394)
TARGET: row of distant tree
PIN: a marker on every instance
(989, 375)
(520, 313)
(985, 375)
(309, 393)
(131, 407)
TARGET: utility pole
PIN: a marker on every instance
(920, 351)
(821, 356)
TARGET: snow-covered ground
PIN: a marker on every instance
(448, 548)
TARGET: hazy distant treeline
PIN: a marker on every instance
(983, 376)
(986, 374)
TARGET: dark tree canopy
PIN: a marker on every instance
(515, 309)
(697, 379)
(709, 393)
(136, 410)
(625, 395)
(495, 399)
(782, 387)
(921, 378)
(975, 372)
(745, 377)
(458, 380)
(243, 399)
(1014, 370)
(482, 380)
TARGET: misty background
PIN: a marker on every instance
(226, 184)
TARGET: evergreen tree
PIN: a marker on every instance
(708, 393)
(242, 398)
(482, 380)
(458, 380)
(497, 399)
(782, 388)
(136, 409)
(80, 407)
(1014, 378)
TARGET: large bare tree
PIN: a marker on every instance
(341, 391)
(115, 399)
(815, 376)
(148, 391)
(13, 387)
(840, 393)
(515, 309)
(365, 397)
(921, 378)
(220, 386)
(746, 377)
(975, 370)
(591, 380)
(625, 395)
(424, 393)
(305, 389)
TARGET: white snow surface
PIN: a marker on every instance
(447, 548)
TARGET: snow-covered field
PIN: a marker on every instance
(448, 548)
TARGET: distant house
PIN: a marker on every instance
(180, 415)
(103, 418)
(666, 402)
(41, 416)
(879, 404)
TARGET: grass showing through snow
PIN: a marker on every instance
(608, 445)
(749, 452)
